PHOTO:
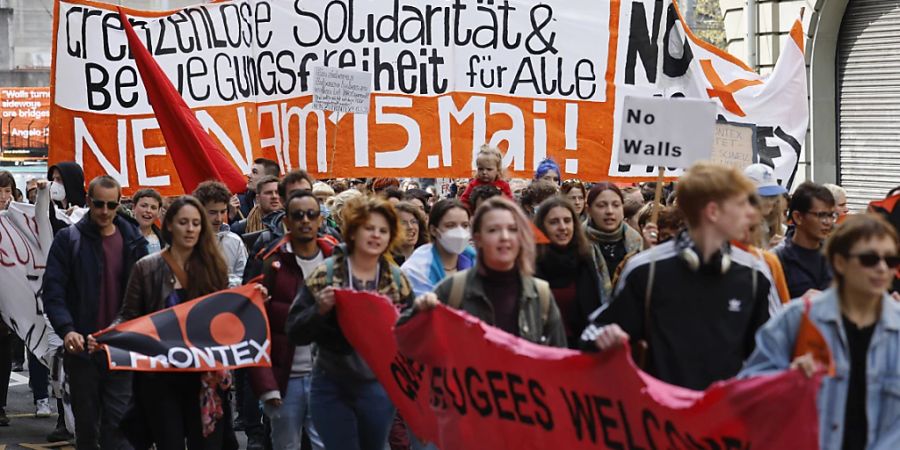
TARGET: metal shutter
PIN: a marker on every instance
(868, 85)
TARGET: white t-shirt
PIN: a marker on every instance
(153, 244)
(302, 363)
(307, 265)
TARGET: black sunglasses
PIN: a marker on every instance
(100, 203)
(297, 216)
(872, 259)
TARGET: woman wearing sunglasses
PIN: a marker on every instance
(859, 407)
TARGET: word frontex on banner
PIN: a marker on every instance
(228, 329)
(464, 385)
(535, 78)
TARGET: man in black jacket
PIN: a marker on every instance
(805, 267)
(696, 301)
(84, 283)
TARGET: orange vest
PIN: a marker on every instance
(774, 266)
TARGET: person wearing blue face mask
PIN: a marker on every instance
(449, 251)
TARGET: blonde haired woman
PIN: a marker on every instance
(501, 289)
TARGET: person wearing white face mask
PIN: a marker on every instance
(449, 252)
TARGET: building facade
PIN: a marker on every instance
(853, 58)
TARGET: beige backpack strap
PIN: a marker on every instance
(457, 286)
(543, 289)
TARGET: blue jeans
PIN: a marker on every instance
(350, 414)
(293, 417)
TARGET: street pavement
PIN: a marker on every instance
(25, 431)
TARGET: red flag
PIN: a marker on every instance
(196, 156)
(810, 340)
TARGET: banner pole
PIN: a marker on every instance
(657, 204)
(337, 126)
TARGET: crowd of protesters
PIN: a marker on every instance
(708, 284)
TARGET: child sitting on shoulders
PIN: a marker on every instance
(488, 163)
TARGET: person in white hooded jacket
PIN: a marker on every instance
(449, 252)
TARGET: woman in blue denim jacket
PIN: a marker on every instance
(859, 407)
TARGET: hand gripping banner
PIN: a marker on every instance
(225, 330)
(464, 385)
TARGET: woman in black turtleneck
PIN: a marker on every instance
(570, 264)
(500, 289)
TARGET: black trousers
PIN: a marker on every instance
(100, 399)
(170, 407)
(6, 341)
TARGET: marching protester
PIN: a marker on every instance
(413, 225)
(535, 193)
(420, 198)
(858, 320)
(183, 409)
(214, 197)
(67, 191)
(267, 212)
(7, 337)
(771, 203)
(570, 264)
(753, 242)
(293, 181)
(269, 191)
(480, 194)
(392, 194)
(145, 208)
(805, 266)
(607, 230)
(576, 192)
(449, 251)
(7, 187)
(244, 203)
(669, 222)
(632, 203)
(489, 170)
(380, 185)
(840, 201)
(501, 289)
(336, 205)
(548, 170)
(322, 191)
(350, 408)
(284, 388)
(694, 303)
(83, 288)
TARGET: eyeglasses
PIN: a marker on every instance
(99, 204)
(872, 259)
(410, 223)
(297, 216)
(824, 216)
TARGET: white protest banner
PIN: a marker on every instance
(671, 133)
(537, 78)
(25, 238)
(734, 145)
(341, 90)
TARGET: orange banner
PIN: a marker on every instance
(535, 78)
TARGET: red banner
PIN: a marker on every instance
(465, 385)
(225, 330)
